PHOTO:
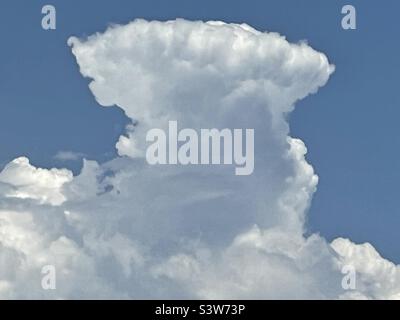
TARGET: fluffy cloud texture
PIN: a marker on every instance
(125, 229)
(27, 182)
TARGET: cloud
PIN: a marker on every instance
(197, 73)
(27, 182)
(125, 229)
(69, 156)
(378, 276)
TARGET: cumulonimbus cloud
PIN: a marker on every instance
(125, 229)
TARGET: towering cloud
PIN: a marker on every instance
(126, 229)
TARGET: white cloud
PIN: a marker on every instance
(377, 277)
(197, 73)
(125, 229)
(69, 156)
(27, 182)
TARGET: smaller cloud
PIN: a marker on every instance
(69, 156)
(24, 181)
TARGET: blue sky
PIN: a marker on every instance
(349, 127)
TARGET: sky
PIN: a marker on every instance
(349, 126)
